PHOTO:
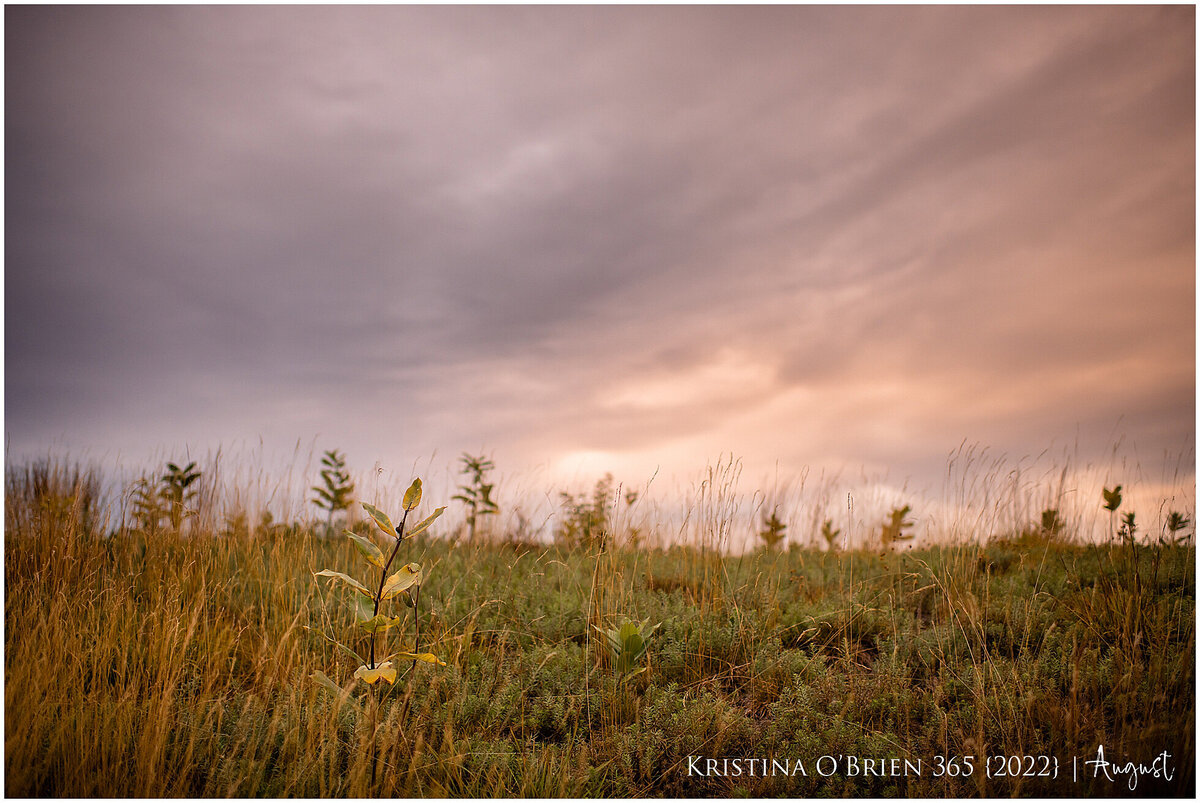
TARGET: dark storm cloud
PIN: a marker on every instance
(662, 232)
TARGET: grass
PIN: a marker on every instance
(150, 665)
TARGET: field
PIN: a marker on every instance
(151, 664)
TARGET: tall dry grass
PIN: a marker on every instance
(178, 663)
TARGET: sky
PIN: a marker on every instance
(579, 240)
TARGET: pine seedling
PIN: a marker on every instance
(893, 529)
(586, 522)
(1112, 501)
(148, 509)
(237, 525)
(177, 491)
(1128, 525)
(1175, 522)
(634, 534)
(477, 494)
(830, 535)
(335, 495)
(1052, 525)
(772, 531)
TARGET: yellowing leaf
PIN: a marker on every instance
(424, 525)
(345, 578)
(385, 671)
(427, 657)
(380, 622)
(368, 549)
(412, 497)
(408, 576)
(381, 519)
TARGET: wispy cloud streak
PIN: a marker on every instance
(801, 234)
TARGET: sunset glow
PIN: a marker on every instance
(624, 239)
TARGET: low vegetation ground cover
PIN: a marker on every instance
(160, 663)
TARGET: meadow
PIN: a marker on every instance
(179, 660)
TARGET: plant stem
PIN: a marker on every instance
(374, 726)
(383, 579)
(417, 625)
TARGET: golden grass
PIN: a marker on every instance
(155, 665)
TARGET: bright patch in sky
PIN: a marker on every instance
(589, 239)
(729, 378)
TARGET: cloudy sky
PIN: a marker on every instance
(589, 239)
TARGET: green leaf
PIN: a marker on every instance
(424, 525)
(614, 641)
(634, 674)
(368, 549)
(362, 608)
(380, 622)
(412, 497)
(345, 578)
(323, 680)
(342, 695)
(628, 643)
(609, 635)
(381, 519)
(408, 576)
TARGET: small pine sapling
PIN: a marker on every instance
(1128, 526)
(772, 531)
(634, 534)
(1052, 525)
(148, 509)
(1175, 522)
(585, 522)
(177, 491)
(830, 535)
(335, 495)
(893, 529)
(237, 525)
(269, 528)
(1112, 501)
(477, 494)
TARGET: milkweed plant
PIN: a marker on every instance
(370, 596)
(627, 646)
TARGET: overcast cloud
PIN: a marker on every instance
(617, 237)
